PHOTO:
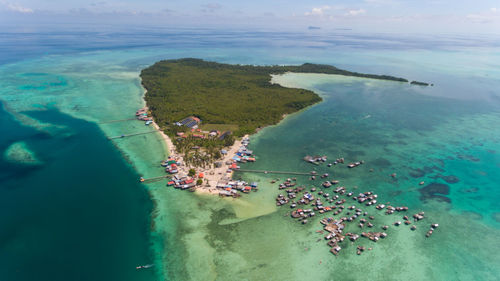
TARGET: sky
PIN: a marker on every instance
(413, 16)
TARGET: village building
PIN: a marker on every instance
(224, 135)
(190, 122)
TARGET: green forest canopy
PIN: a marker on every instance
(218, 93)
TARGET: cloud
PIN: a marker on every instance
(95, 4)
(357, 12)
(320, 11)
(379, 2)
(488, 16)
(17, 8)
(334, 12)
(211, 7)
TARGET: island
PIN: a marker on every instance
(420, 83)
(206, 110)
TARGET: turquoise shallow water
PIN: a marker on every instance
(422, 134)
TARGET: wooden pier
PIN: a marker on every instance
(130, 135)
(155, 179)
(116, 121)
(274, 172)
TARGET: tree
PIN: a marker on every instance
(199, 182)
(192, 172)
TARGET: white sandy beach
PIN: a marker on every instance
(212, 175)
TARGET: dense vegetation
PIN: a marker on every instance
(239, 95)
(420, 83)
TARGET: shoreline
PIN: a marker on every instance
(212, 175)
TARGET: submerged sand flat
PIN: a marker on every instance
(20, 153)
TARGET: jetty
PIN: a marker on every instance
(146, 180)
(131, 135)
(274, 172)
(116, 121)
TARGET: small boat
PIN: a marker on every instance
(352, 165)
(144, 266)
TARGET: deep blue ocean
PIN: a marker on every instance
(78, 216)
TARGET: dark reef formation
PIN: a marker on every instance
(420, 172)
(448, 179)
(435, 191)
(468, 157)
